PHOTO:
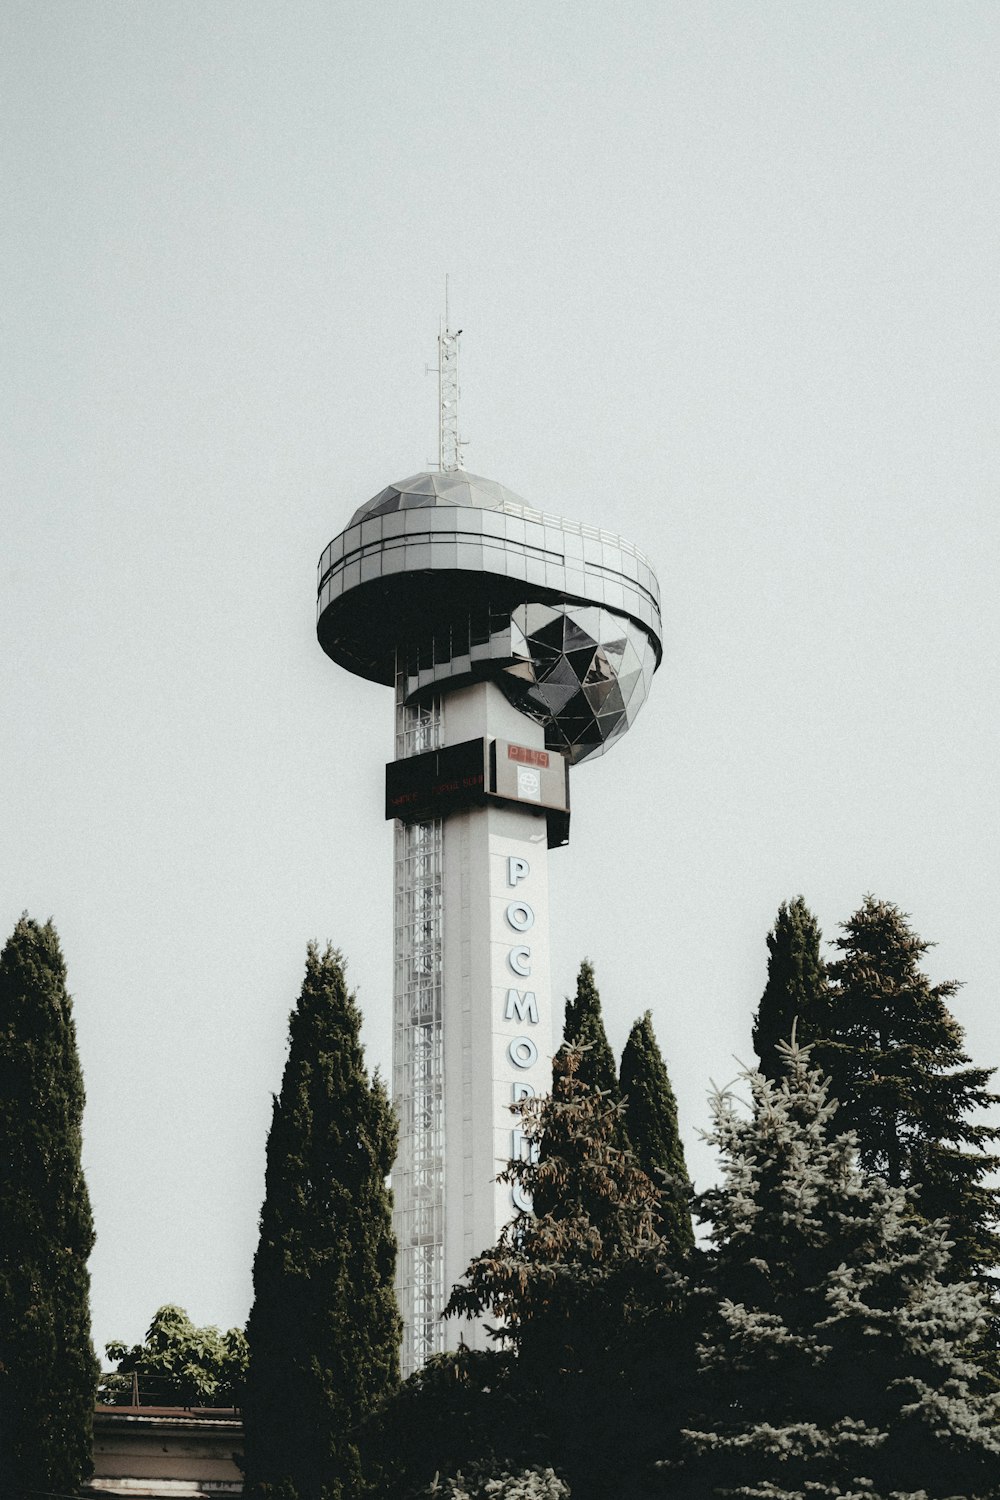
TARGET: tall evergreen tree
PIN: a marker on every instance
(585, 1293)
(48, 1371)
(795, 985)
(895, 1055)
(834, 1358)
(583, 1027)
(651, 1127)
(323, 1330)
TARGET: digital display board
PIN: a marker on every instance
(440, 782)
(437, 782)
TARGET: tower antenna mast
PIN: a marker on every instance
(450, 445)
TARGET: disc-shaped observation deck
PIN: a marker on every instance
(447, 577)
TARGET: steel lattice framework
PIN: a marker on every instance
(449, 442)
(418, 1057)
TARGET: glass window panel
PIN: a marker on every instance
(604, 697)
(545, 629)
(422, 484)
(479, 627)
(371, 567)
(556, 695)
(561, 670)
(631, 661)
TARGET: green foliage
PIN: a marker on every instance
(457, 1414)
(833, 1360)
(652, 1131)
(323, 1330)
(179, 1363)
(48, 1372)
(895, 1055)
(583, 1027)
(560, 1281)
(795, 985)
(484, 1483)
(584, 1292)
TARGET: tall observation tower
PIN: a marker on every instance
(518, 644)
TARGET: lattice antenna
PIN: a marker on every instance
(450, 445)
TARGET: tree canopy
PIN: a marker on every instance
(795, 985)
(178, 1362)
(834, 1354)
(584, 1292)
(896, 1058)
(323, 1330)
(48, 1371)
(653, 1134)
(583, 1027)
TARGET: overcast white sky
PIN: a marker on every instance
(728, 279)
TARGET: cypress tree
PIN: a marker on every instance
(895, 1055)
(583, 1027)
(323, 1330)
(651, 1127)
(48, 1370)
(795, 985)
(834, 1358)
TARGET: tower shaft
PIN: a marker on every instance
(472, 1017)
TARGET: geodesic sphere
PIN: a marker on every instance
(582, 671)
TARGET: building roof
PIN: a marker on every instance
(454, 487)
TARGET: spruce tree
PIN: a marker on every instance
(834, 1355)
(895, 1055)
(48, 1371)
(795, 984)
(323, 1330)
(651, 1126)
(583, 1027)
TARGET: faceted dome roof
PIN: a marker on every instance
(454, 487)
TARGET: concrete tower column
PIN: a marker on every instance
(497, 995)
